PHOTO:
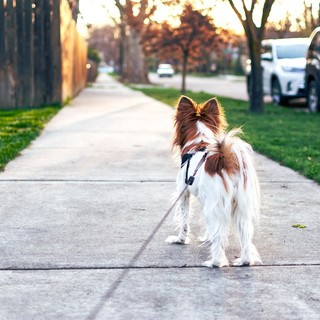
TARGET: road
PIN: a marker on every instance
(228, 86)
(222, 85)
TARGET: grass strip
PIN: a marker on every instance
(19, 127)
(287, 135)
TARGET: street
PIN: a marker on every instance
(228, 86)
(221, 85)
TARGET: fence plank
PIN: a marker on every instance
(3, 81)
(20, 53)
(42, 56)
(28, 75)
(74, 55)
(7, 69)
(2, 34)
(39, 53)
(56, 49)
(48, 50)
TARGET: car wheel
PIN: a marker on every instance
(277, 97)
(313, 97)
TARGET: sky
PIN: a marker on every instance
(98, 12)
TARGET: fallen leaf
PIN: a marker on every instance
(298, 225)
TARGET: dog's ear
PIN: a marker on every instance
(212, 107)
(185, 104)
(213, 115)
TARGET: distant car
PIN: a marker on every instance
(313, 72)
(165, 70)
(105, 69)
(283, 62)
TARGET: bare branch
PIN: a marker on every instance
(266, 11)
(253, 3)
(237, 12)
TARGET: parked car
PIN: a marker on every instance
(165, 70)
(312, 77)
(283, 62)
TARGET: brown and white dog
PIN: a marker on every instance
(225, 182)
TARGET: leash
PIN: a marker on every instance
(125, 271)
(188, 182)
(186, 159)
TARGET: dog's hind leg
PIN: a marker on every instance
(244, 226)
(182, 215)
(217, 229)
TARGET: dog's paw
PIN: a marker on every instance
(177, 240)
(254, 260)
(240, 262)
(216, 264)
(203, 238)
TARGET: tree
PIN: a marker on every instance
(254, 35)
(291, 26)
(309, 20)
(279, 29)
(133, 17)
(106, 40)
(93, 55)
(193, 36)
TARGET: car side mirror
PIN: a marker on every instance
(267, 56)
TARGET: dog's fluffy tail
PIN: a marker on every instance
(223, 155)
(230, 157)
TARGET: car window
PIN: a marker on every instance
(165, 66)
(290, 51)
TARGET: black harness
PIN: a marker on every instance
(186, 159)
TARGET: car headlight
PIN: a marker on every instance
(292, 69)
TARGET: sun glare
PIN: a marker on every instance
(101, 12)
(224, 17)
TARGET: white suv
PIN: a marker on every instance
(283, 62)
(165, 70)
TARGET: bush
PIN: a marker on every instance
(93, 55)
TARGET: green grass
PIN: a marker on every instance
(286, 135)
(19, 127)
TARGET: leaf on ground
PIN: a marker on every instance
(298, 225)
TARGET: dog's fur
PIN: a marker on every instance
(226, 184)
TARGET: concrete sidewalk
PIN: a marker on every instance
(82, 235)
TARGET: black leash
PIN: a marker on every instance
(186, 159)
(134, 259)
(189, 181)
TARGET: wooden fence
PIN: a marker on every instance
(42, 56)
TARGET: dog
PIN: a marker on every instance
(217, 168)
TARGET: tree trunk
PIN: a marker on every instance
(122, 46)
(256, 87)
(134, 68)
(254, 36)
(184, 70)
